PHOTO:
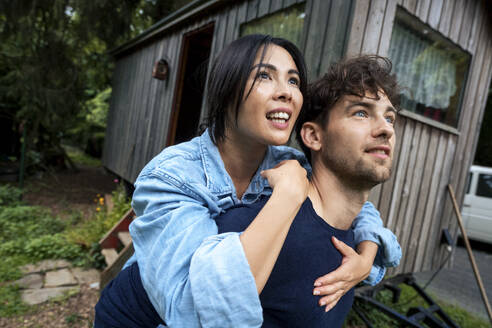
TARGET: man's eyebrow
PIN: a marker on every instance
(273, 68)
(368, 105)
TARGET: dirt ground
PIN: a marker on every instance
(64, 192)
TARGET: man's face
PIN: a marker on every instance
(358, 140)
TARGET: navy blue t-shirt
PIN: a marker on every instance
(287, 298)
(307, 254)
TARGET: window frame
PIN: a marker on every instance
(416, 25)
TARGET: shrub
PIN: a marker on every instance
(23, 222)
(9, 195)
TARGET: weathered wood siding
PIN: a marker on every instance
(141, 106)
(415, 203)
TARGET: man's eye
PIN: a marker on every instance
(360, 113)
(390, 119)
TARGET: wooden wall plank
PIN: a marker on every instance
(446, 16)
(421, 226)
(478, 19)
(457, 20)
(263, 8)
(145, 110)
(436, 7)
(313, 51)
(410, 5)
(408, 239)
(288, 3)
(401, 223)
(160, 90)
(422, 10)
(467, 24)
(335, 36)
(387, 29)
(374, 27)
(275, 5)
(356, 34)
(252, 10)
(441, 216)
(429, 222)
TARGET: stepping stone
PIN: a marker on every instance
(46, 265)
(59, 278)
(86, 276)
(38, 296)
(31, 281)
(125, 237)
(110, 255)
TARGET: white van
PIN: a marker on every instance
(477, 205)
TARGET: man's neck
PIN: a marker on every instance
(335, 200)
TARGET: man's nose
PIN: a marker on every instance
(383, 128)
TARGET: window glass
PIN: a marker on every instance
(468, 183)
(484, 187)
(285, 24)
(431, 69)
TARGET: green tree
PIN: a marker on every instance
(53, 59)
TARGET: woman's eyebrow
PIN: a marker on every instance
(273, 68)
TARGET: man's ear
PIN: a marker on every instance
(311, 135)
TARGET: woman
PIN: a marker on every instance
(194, 276)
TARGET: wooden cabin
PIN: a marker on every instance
(441, 51)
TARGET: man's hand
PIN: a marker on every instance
(354, 269)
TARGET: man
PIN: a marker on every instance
(347, 132)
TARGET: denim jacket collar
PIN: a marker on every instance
(219, 181)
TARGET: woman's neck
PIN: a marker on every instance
(241, 161)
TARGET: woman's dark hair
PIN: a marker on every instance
(354, 76)
(229, 75)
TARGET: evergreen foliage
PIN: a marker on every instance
(54, 59)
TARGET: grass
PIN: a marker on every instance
(29, 234)
(408, 299)
(80, 157)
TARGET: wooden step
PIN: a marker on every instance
(125, 237)
(110, 255)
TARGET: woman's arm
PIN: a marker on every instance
(264, 237)
(185, 266)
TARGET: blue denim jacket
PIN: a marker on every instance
(193, 276)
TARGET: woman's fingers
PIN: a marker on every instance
(343, 248)
(330, 301)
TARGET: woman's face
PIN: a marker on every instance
(267, 116)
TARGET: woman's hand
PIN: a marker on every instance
(288, 178)
(354, 268)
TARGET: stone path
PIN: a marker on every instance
(52, 279)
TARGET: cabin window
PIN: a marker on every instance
(287, 24)
(431, 69)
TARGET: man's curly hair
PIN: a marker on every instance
(354, 76)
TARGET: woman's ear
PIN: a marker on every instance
(311, 135)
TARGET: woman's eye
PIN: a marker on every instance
(263, 75)
(294, 80)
